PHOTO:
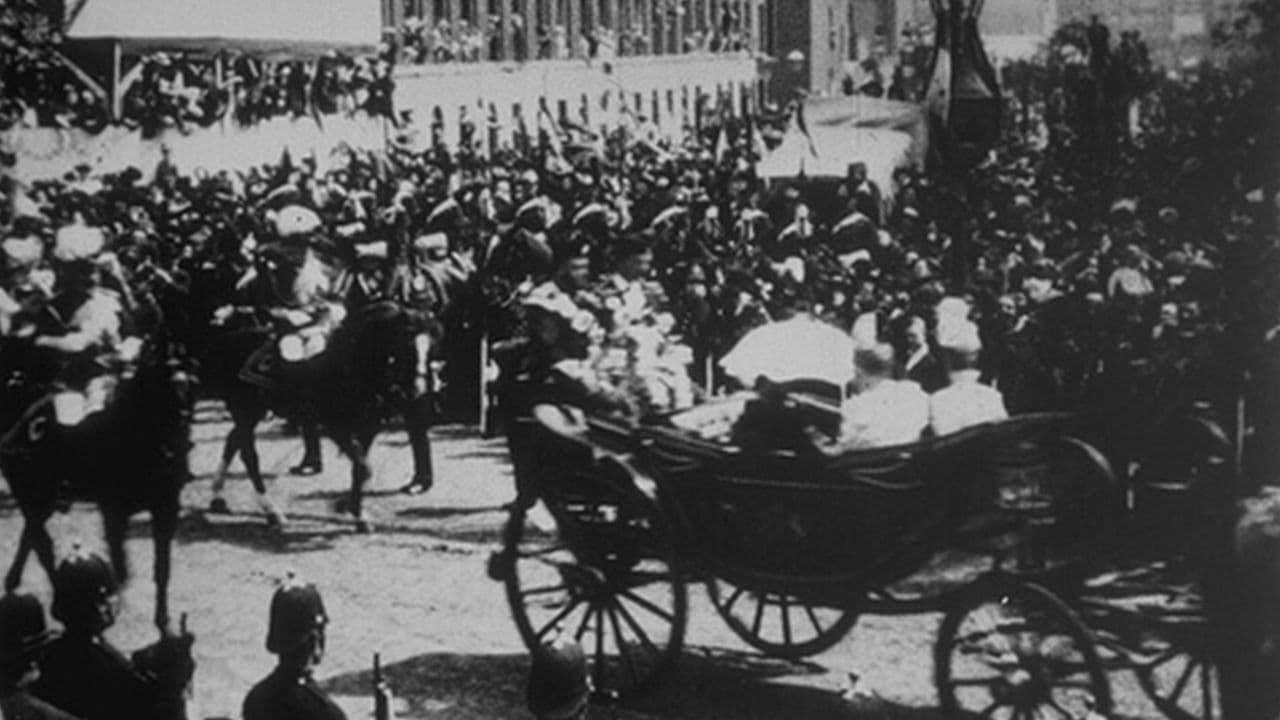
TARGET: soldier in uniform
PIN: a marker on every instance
(296, 635)
(82, 673)
(22, 632)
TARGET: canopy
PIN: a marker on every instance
(828, 150)
(291, 27)
(801, 348)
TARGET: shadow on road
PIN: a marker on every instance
(436, 513)
(707, 683)
(253, 532)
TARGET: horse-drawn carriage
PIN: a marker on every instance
(1000, 527)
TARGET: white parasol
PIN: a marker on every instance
(797, 349)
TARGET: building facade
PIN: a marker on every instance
(591, 62)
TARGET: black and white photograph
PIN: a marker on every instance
(640, 359)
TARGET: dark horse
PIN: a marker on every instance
(368, 371)
(128, 458)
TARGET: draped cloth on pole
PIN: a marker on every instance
(884, 134)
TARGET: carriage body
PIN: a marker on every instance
(792, 547)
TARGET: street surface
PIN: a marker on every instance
(416, 591)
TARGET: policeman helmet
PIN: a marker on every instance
(83, 586)
(22, 627)
(559, 685)
(297, 615)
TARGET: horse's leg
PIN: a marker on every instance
(164, 525)
(13, 578)
(115, 523)
(230, 447)
(417, 424)
(356, 448)
(246, 420)
(312, 460)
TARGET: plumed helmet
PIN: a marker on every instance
(295, 220)
(22, 626)
(82, 583)
(78, 242)
(558, 680)
(297, 613)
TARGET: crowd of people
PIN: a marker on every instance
(426, 40)
(1075, 272)
(1102, 270)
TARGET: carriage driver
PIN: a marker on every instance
(296, 635)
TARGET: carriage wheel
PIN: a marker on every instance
(1012, 650)
(614, 586)
(779, 625)
(1183, 684)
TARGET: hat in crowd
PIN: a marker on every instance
(375, 250)
(960, 336)
(1124, 206)
(540, 213)
(559, 683)
(668, 216)
(78, 242)
(633, 244)
(295, 220)
(21, 252)
(591, 212)
(22, 627)
(1043, 270)
(570, 247)
(297, 611)
(558, 166)
(1169, 215)
(431, 243)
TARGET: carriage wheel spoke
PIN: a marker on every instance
(813, 618)
(786, 619)
(648, 605)
(597, 672)
(755, 624)
(637, 629)
(543, 590)
(622, 647)
(529, 554)
(1206, 690)
(733, 598)
(1181, 685)
(582, 625)
(973, 682)
(558, 617)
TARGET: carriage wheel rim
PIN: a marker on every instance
(802, 628)
(630, 621)
(1032, 673)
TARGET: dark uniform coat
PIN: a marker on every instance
(281, 696)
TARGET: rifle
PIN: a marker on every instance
(382, 695)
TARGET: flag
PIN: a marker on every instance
(758, 148)
(547, 131)
(937, 97)
(722, 145)
(803, 127)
